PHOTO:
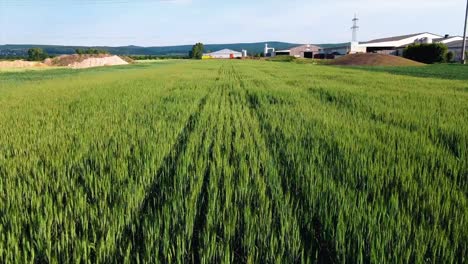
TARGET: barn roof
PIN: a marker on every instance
(453, 38)
(396, 38)
(306, 46)
(225, 51)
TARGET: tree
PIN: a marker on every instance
(426, 53)
(449, 57)
(37, 54)
(258, 55)
(197, 51)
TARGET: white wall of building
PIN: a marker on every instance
(426, 37)
(224, 54)
(356, 48)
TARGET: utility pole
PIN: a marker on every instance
(464, 36)
(355, 28)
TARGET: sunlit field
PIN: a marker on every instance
(234, 161)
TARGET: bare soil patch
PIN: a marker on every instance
(71, 61)
(85, 61)
(21, 64)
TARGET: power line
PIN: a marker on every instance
(464, 37)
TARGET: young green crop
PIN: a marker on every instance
(234, 162)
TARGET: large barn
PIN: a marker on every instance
(456, 48)
(223, 54)
(305, 51)
(390, 45)
(396, 45)
(334, 51)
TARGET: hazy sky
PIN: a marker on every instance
(170, 22)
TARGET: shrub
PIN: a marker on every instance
(426, 53)
(37, 54)
(282, 58)
(91, 51)
(449, 57)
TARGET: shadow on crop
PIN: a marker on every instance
(158, 194)
(438, 71)
(312, 230)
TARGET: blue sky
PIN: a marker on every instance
(172, 22)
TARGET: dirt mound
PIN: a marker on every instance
(85, 61)
(98, 62)
(372, 59)
(21, 64)
(127, 59)
(72, 61)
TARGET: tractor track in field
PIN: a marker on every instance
(327, 252)
(309, 240)
(203, 200)
(155, 197)
(160, 192)
(200, 217)
(195, 242)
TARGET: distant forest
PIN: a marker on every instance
(19, 51)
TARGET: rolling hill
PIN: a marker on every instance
(181, 50)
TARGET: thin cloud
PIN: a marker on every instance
(25, 3)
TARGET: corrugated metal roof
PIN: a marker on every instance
(336, 47)
(442, 39)
(307, 46)
(396, 38)
(224, 51)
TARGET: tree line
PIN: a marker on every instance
(38, 54)
(91, 51)
(157, 57)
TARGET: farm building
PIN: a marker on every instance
(223, 54)
(448, 39)
(396, 45)
(390, 45)
(305, 51)
(456, 48)
(333, 51)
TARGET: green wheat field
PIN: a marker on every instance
(234, 162)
